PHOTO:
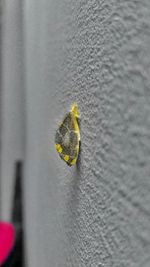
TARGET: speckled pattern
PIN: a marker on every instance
(97, 53)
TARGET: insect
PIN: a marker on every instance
(67, 138)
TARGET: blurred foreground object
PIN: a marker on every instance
(13, 252)
(7, 239)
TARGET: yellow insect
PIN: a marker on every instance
(67, 138)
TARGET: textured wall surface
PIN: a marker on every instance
(98, 54)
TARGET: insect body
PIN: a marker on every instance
(67, 139)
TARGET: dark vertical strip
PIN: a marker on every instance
(17, 207)
(16, 257)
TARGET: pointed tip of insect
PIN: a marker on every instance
(74, 110)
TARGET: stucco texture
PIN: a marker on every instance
(97, 53)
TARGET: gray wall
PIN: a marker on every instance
(97, 53)
(0, 82)
(12, 100)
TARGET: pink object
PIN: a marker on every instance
(7, 238)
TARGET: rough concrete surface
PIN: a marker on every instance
(97, 53)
